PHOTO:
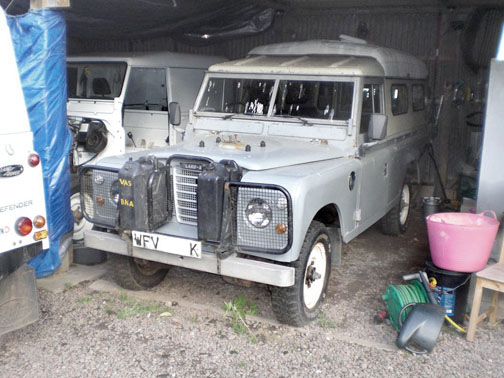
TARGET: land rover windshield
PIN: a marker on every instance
(314, 99)
(95, 80)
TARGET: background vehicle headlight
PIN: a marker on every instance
(258, 213)
(114, 191)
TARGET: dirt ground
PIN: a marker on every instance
(181, 328)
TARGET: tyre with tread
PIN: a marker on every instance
(88, 256)
(136, 274)
(396, 221)
(299, 304)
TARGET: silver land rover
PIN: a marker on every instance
(288, 152)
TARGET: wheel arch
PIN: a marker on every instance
(329, 215)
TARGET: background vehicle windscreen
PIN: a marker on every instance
(95, 80)
(242, 96)
(314, 99)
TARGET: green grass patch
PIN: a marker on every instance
(238, 309)
(242, 364)
(325, 322)
(129, 307)
(85, 299)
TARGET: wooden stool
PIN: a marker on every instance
(492, 277)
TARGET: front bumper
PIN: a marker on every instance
(232, 266)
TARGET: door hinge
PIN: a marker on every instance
(357, 215)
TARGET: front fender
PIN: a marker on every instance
(313, 186)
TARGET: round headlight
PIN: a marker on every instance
(114, 191)
(99, 179)
(258, 213)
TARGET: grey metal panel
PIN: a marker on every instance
(491, 177)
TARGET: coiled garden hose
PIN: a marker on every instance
(398, 300)
(396, 297)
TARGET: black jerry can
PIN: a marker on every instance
(143, 194)
(211, 197)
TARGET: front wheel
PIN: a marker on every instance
(396, 221)
(299, 304)
(136, 274)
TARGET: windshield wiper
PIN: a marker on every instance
(305, 121)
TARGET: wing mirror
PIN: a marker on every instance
(174, 112)
(377, 126)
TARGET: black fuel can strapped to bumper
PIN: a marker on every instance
(144, 202)
(211, 199)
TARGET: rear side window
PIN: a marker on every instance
(418, 97)
(146, 90)
(399, 99)
(371, 103)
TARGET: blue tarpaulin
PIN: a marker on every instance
(39, 39)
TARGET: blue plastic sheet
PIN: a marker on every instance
(39, 39)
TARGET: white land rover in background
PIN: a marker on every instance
(289, 151)
(121, 103)
(23, 225)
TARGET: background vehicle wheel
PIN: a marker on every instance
(88, 256)
(136, 274)
(396, 221)
(299, 304)
(80, 223)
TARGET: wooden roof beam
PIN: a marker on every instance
(39, 4)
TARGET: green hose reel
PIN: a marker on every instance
(396, 297)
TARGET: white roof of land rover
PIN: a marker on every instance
(152, 59)
(347, 56)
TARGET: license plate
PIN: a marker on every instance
(169, 244)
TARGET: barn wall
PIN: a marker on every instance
(408, 29)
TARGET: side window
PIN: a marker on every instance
(184, 86)
(399, 99)
(146, 90)
(371, 103)
(418, 97)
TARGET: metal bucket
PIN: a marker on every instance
(431, 205)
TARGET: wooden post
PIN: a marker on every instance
(39, 4)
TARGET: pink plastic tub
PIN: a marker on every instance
(461, 242)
